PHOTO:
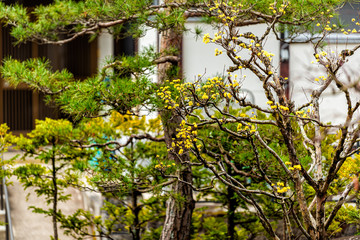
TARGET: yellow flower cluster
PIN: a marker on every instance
(248, 128)
(277, 105)
(322, 55)
(281, 187)
(215, 87)
(217, 36)
(280, 9)
(227, 95)
(295, 167)
(327, 28)
(301, 114)
(215, 7)
(267, 54)
(323, 78)
(199, 93)
(218, 52)
(165, 94)
(228, 14)
(163, 166)
(283, 190)
(206, 38)
(346, 32)
(205, 96)
(185, 137)
(243, 115)
(283, 108)
(298, 167)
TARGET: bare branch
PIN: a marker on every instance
(339, 204)
(117, 144)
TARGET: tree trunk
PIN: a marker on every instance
(181, 204)
(320, 216)
(55, 192)
(179, 211)
(232, 204)
(136, 210)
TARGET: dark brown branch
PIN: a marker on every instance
(117, 144)
(296, 218)
(339, 204)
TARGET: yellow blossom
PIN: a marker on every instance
(284, 108)
(206, 38)
(298, 167)
(284, 189)
(280, 184)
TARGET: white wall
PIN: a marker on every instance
(105, 48)
(150, 39)
(303, 72)
(199, 58)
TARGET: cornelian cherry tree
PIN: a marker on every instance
(317, 156)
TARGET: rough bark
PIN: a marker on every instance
(232, 204)
(181, 204)
(136, 211)
(55, 192)
(320, 216)
(179, 211)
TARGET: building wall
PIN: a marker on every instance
(199, 58)
(303, 74)
(21, 106)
